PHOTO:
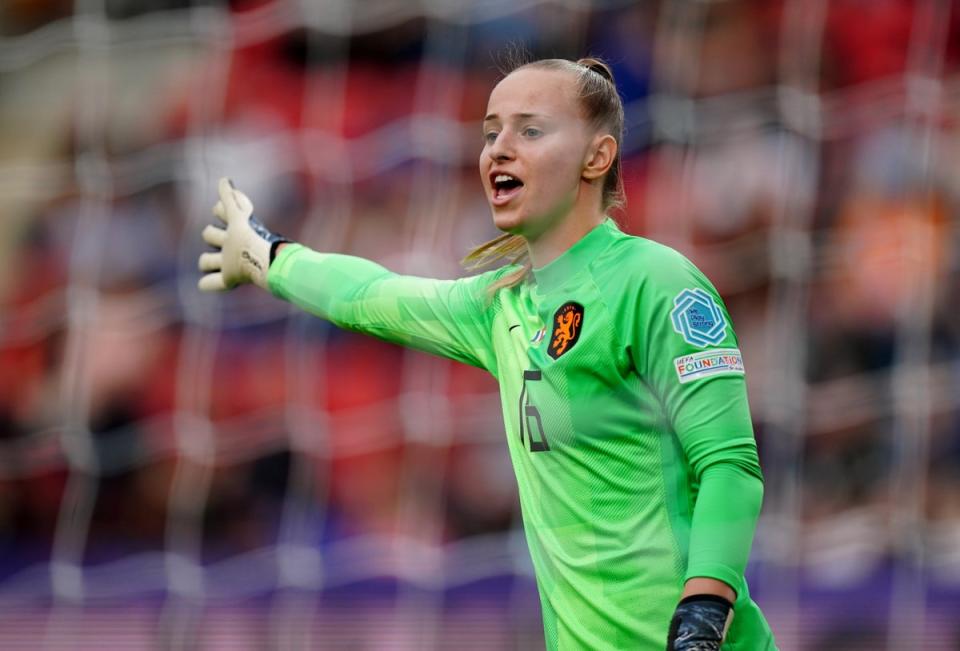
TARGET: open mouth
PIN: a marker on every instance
(505, 187)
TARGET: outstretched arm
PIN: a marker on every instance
(450, 318)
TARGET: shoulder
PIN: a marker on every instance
(486, 279)
(634, 265)
(491, 287)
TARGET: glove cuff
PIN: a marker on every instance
(706, 597)
(275, 245)
(268, 242)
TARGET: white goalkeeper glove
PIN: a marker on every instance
(245, 248)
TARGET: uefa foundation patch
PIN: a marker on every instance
(720, 361)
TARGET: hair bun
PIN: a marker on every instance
(598, 66)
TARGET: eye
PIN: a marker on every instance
(532, 132)
(490, 137)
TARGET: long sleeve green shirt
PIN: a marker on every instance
(625, 409)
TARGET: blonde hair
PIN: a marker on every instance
(597, 93)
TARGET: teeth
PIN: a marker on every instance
(502, 178)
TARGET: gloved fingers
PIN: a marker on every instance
(243, 203)
(212, 283)
(210, 262)
(227, 200)
(236, 203)
(220, 211)
(214, 236)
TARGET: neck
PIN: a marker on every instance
(546, 247)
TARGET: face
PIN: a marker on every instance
(535, 145)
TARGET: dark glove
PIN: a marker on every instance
(699, 623)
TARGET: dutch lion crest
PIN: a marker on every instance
(567, 324)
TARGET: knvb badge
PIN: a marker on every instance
(698, 318)
(567, 323)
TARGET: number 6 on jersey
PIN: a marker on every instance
(529, 413)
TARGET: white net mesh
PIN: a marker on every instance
(184, 471)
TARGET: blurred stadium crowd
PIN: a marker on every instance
(803, 153)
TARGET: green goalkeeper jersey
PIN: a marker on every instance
(626, 416)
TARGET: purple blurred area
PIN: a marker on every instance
(188, 471)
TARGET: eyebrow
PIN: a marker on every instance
(522, 116)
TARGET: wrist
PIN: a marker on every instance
(703, 585)
(276, 248)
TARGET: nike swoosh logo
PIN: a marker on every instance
(510, 329)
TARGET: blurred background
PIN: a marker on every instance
(181, 470)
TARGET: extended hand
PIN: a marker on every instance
(244, 247)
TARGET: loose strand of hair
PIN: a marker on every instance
(502, 247)
(511, 279)
(505, 249)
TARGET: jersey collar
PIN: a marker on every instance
(561, 269)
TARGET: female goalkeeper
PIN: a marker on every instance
(622, 387)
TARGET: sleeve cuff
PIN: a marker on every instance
(277, 272)
(718, 572)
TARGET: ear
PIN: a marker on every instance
(600, 156)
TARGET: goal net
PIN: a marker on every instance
(181, 470)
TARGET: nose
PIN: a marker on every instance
(501, 149)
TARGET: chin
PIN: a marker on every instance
(508, 222)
